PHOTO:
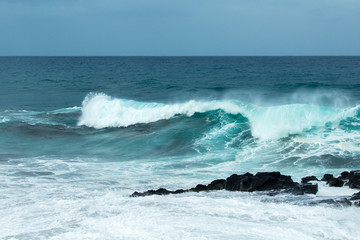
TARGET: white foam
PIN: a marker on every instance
(4, 120)
(100, 110)
(350, 147)
(66, 110)
(281, 121)
(74, 203)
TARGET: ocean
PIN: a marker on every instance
(78, 135)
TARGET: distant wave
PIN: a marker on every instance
(100, 111)
(35, 117)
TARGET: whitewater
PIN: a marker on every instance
(79, 135)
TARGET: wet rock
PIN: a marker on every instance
(160, 191)
(308, 179)
(337, 202)
(345, 175)
(136, 194)
(355, 196)
(354, 179)
(235, 182)
(218, 184)
(262, 181)
(327, 177)
(180, 191)
(273, 181)
(335, 182)
(199, 188)
(309, 188)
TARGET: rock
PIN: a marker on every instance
(199, 188)
(136, 194)
(345, 175)
(266, 181)
(354, 179)
(308, 179)
(355, 196)
(262, 181)
(327, 177)
(337, 202)
(333, 182)
(309, 188)
(179, 191)
(218, 184)
(336, 182)
(273, 181)
(234, 182)
(160, 191)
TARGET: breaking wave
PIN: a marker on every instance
(101, 111)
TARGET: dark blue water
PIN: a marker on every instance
(55, 82)
(76, 129)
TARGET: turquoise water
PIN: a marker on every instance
(79, 135)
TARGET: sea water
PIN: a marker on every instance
(78, 135)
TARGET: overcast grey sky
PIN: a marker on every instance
(179, 27)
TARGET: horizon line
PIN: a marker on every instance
(179, 55)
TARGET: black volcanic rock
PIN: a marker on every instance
(327, 177)
(333, 182)
(336, 182)
(199, 188)
(179, 191)
(345, 175)
(355, 196)
(236, 182)
(309, 188)
(218, 184)
(137, 194)
(262, 181)
(308, 179)
(354, 179)
(336, 202)
(273, 181)
(160, 191)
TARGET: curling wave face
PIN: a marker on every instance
(101, 111)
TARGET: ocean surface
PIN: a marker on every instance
(78, 135)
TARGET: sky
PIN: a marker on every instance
(179, 27)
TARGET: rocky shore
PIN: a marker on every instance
(273, 183)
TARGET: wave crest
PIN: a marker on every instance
(100, 111)
(282, 121)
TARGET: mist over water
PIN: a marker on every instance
(79, 135)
